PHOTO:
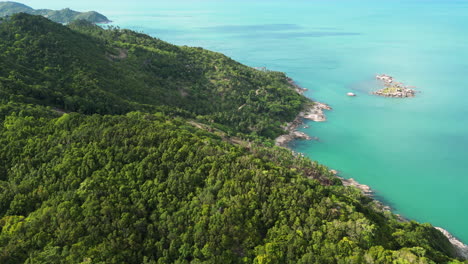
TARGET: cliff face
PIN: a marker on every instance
(116, 147)
(60, 16)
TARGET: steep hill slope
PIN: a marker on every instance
(145, 188)
(117, 71)
(168, 183)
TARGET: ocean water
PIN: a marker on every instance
(412, 152)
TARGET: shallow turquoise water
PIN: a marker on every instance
(413, 152)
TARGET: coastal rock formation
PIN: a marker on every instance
(395, 92)
(366, 190)
(462, 249)
(314, 112)
(301, 135)
(284, 139)
(393, 88)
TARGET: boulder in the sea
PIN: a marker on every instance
(351, 94)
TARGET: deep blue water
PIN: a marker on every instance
(413, 152)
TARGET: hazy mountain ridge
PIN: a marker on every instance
(61, 16)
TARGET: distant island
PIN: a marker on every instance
(393, 88)
(63, 16)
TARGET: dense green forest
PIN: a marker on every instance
(116, 147)
(88, 70)
(60, 16)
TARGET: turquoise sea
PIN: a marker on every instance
(412, 152)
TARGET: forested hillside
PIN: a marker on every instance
(119, 148)
(90, 70)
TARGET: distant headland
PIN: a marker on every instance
(63, 16)
(393, 88)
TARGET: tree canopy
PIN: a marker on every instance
(116, 147)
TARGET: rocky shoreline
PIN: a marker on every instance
(393, 88)
(299, 89)
(312, 112)
(315, 113)
(365, 189)
(460, 247)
